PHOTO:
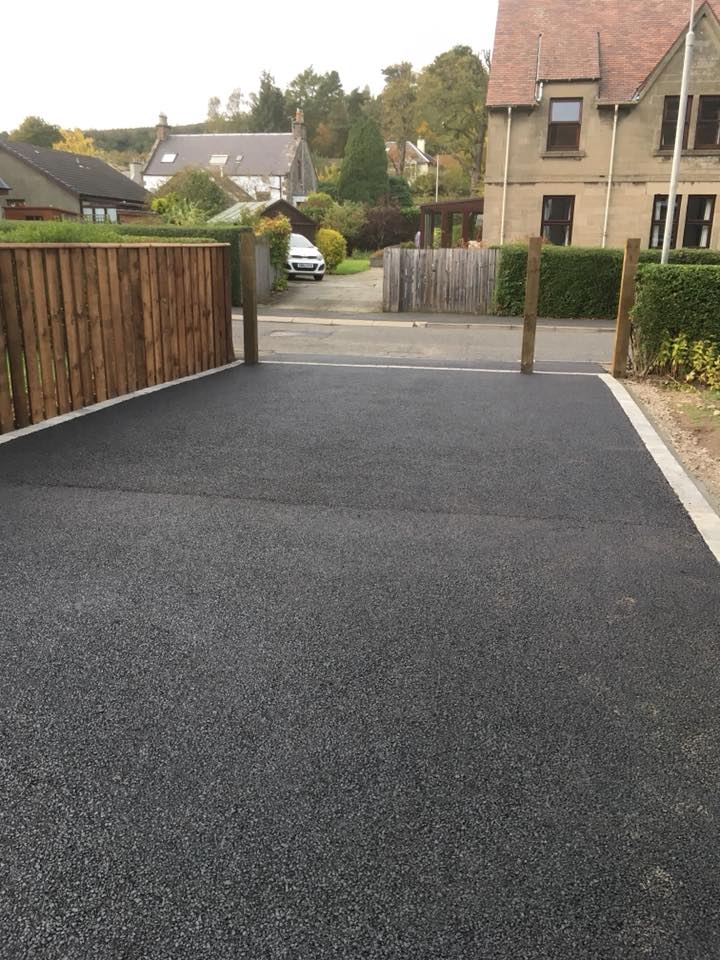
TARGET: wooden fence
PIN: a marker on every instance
(264, 270)
(80, 323)
(439, 281)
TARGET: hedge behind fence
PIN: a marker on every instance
(228, 233)
(676, 299)
(575, 282)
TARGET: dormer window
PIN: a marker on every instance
(168, 158)
(564, 125)
(218, 159)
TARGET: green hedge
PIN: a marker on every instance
(575, 282)
(228, 233)
(673, 300)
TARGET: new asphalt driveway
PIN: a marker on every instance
(313, 662)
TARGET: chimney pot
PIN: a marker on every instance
(162, 129)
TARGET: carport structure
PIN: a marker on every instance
(316, 660)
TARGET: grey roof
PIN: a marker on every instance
(82, 175)
(261, 154)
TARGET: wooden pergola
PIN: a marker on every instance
(458, 220)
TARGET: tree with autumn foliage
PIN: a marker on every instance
(75, 141)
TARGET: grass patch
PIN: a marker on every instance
(351, 265)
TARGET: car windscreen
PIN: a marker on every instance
(298, 240)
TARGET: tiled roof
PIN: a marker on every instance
(413, 153)
(248, 154)
(619, 42)
(82, 175)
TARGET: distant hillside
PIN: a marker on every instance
(124, 144)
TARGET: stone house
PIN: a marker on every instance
(267, 166)
(583, 103)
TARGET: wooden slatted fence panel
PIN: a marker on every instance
(439, 281)
(83, 322)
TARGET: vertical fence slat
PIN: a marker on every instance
(7, 418)
(186, 256)
(27, 322)
(97, 349)
(82, 295)
(182, 311)
(106, 321)
(195, 306)
(71, 315)
(13, 336)
(116, 323)
(42, 328)
(120, 286)
(57, 328)
(209, 327)
(137, 325)
(146, 301)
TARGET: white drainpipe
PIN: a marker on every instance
(505, 175)
(610, 178)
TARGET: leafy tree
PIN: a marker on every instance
(399, 107)
(75, 141)
(363, 174)
(233, 119)
(347, 218)
(268, 111)
(386, 223)
(317, 205)
(178, 210)
(316, 94)
(399, 190)
(38, 131)
(451, 101)
(454, 182)
(197, 187)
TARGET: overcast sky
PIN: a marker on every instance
(91, 63)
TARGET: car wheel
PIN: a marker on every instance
(318, 276)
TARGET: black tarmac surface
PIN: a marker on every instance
(311, 663)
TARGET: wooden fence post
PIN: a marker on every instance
(249, 296)
(627, 299)
(532, 296)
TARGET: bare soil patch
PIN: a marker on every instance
(689, 417)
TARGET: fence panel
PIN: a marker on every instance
(83, 322)
(439, 281)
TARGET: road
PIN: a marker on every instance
(321, 662)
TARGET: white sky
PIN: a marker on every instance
(97, 63)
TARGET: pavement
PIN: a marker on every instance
(355, 293)
(480, 343)
(323, 662)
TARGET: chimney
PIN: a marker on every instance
(421, 144)
(135, 172)
(298, 126)
(162, 129)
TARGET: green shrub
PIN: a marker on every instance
(575, 281)
(227, 233)
(674, 300)
(694, 361)
(71, 231)
(332, 246)
(277, 230)
(316, 205)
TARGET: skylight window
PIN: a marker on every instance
(168, 158)
(219, 158)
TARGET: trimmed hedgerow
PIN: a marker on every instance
(70, 231)
(673, 300)
(227, 233)
(575, 281)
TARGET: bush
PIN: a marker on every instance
(674, 300)
(332, 246)
(695, 361)
(196, 187)
(317, 205)
(347, 218)
(227, 233)
(73, 231)
(386, 224)
(575, 281)
(277, 230)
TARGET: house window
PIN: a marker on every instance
(99, 214)
(669, 123)
(557, 220)
(659, 215)
(112, 214)
(168, 158)
(219, 159)
(707, 133)
(699, 221)
(564, 125)
(88, 213)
